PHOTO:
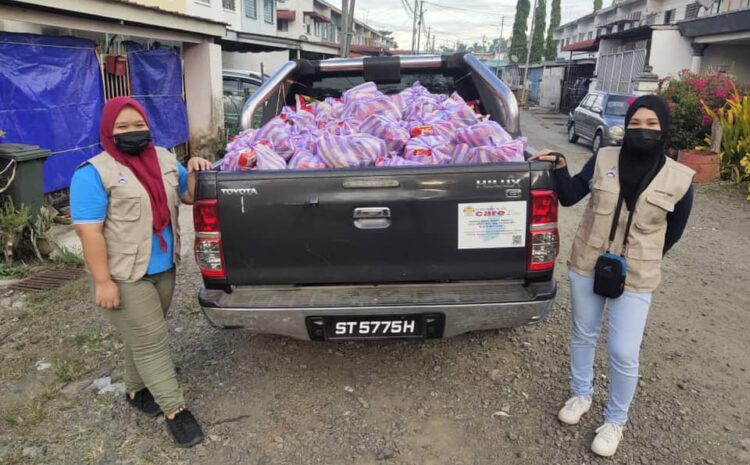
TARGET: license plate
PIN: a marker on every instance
(380, 327)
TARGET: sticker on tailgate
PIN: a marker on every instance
(491, 225)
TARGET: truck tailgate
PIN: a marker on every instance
(438, 223)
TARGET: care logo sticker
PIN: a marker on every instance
(492, 225)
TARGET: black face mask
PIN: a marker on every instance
(133, 142)
(643, 142)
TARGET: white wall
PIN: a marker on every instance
(251, 61)
(670, 52)
(203, 91)
(258, 25)
(18, 26)
(732, 58)
(297, 27)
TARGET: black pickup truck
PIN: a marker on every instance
(403, 252)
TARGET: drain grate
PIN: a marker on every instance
(48, 279)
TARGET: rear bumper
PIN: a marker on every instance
(466, 307)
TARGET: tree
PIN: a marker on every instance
(554, 21)
(597, 5)
(537, 41)
(518, 40)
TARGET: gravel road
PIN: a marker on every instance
(484, 398)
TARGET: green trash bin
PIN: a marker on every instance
(27, 187)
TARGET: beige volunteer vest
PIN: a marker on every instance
(649, 228)
(128, 228)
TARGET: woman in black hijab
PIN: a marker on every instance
(645, 198)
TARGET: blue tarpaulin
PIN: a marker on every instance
(156, 82)
(51, 95)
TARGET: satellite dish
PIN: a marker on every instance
(706, 3)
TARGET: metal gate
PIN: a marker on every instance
(618, 71)
(575, 85)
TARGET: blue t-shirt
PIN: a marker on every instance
(89, 201)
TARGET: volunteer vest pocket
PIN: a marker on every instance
(125, 208)
(121, 257)
(652, 215)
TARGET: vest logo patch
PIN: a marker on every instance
(611, 173)
(121, 180)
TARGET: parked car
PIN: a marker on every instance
(599, 118)
(239, 85)
(378, 253)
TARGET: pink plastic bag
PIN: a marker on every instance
(357, 150)
(342, 127)
(363, 91)
(431, 127)
(508, 152)
(267, 159)
(458, 112)
(305, 160)
(430, 150)
(394, 134)
(422, 107)
(277, 133)
(406, 96)
(487, 133)
(306, 139)
(297, 120)
(396, 160)
(361, 108)
(461, 154)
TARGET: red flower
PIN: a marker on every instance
(721, 92)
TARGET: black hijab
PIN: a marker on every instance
(638, 168)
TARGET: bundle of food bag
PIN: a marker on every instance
(365, 127)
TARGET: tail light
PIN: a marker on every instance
(545, 238)
(209, 253)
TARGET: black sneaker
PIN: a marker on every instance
(184, 429)
(144, 402)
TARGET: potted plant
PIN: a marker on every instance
(690, 97)
(733, 138)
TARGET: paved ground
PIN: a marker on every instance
(272, 400)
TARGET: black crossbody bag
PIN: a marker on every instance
(611, 270)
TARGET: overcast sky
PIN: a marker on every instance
(451, 20)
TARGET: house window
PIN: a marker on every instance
(205, 2)
(229, 5)
(268, 10)
(691, 11)
(251, 8)
(591, 35)
(282, 25)
(669, 16)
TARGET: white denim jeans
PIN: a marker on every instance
(626, 322)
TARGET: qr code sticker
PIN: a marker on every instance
(517, 239)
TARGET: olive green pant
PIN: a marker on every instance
(140, 319)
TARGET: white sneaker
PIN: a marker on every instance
(574, 409)
(608, 437)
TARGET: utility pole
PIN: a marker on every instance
(433, 44)
(427, 46)
(528, 55)
(499, 44)
(419, 25)
(344, 26)
(352, 27)
(414, 27)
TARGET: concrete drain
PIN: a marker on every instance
(46, 280)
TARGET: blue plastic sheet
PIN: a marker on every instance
(51, 95)
(156, 82)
